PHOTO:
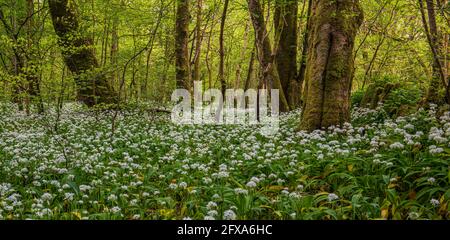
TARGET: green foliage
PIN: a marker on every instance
(407, 96)
(151, 169)
(397, 97)
(357, 97)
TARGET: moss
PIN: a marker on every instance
(92, 86)
(330, 64)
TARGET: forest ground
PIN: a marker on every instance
(75, 168)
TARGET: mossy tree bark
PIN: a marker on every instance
(92, 85)
(183, 72)
(223, 82)
(334, 25)
(285, 21)
(33, 80)
(26, 84)
(198, 41)
(300, 79)
(438, 80)
(265, 56)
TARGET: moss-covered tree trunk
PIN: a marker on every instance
(334, 25)
(285, 20)
(198, 41)
(300, 79)
(33, 81)
(438, 80)
(92, 85)
(265, 56)
(223, 82)
(183, 75)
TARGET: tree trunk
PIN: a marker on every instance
(237, 82)
(114, 50)
(250, 71)
(198, 41)
(223, 83)
(265, 56)
(34, 88)
(79, 56)
(285, 20)
(303, 58)
(334, 25)
(438, 77)
(183, 75)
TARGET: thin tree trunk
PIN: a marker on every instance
(114, 50)
(237, 83)
(265, 55)
(250, 71)
(198, 41)
(222, 79)
(438, 79)
(303, 58)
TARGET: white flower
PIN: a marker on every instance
(229, 215)
(173, 186)
(46, 197)
(300, 187)
(435, 202)
(115, 209)
(211, 205)
(182, 185)
(295, 195)
(396, 145)
(409, 126)
(255, 179)
(431, 180)
(240, 191)
(251, 184)
(281, 181)
(209, 218)
(332, 197)
(68, 196)
(435, 150)
(216, 196)
(112, 197)
(84, 188)
(223, 174)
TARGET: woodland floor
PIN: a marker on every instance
(374, 168)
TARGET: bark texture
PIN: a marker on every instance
(92, 85)
(198, 41)
(285, 20)
(304, 55)
(438, 79)
(183, 72)
(334, 25)
(265, 56)
(223, 82)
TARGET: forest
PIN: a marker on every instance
(359, 119)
